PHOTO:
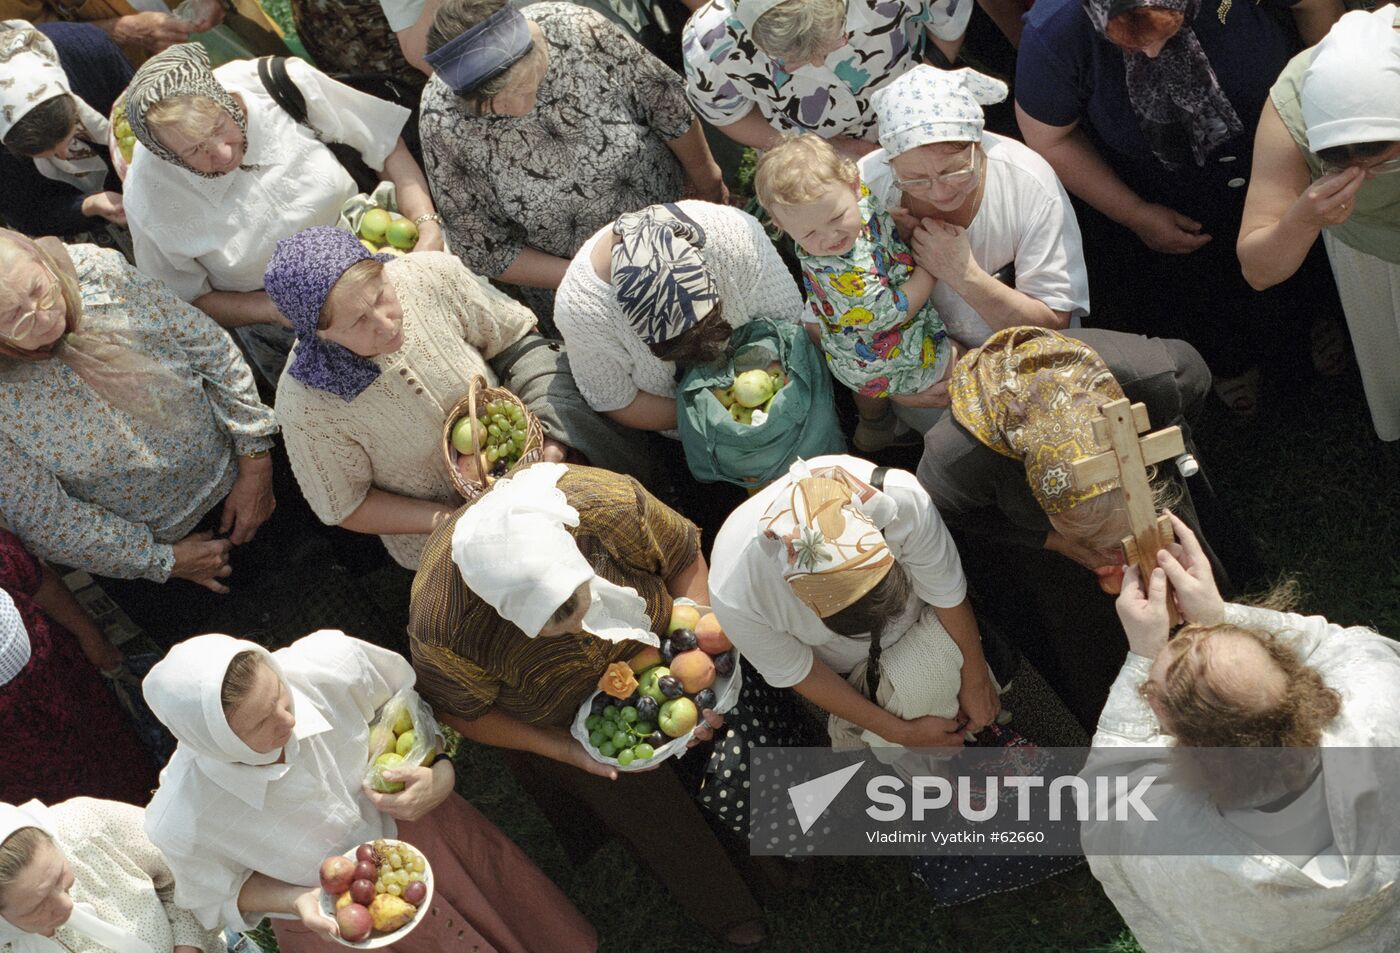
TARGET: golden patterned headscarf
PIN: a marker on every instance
(1032, 394)
(832, 550)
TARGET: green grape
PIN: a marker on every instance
(643, 751)
(624, 757)
(606, 749)
(592, 722)
(597, 738)
(394, 889)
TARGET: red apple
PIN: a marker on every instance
(354, 922)
(367, 852)
(710, 636)
(365, 870)
(415, 891)
(362, 891)
(336, 874)
(695, 669)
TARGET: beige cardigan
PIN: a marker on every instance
(388, 438)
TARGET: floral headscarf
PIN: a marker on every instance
(1032, 394)
(299, 278)
(661, 281)
(928, 105)
(182, 70)
(1180, 106)
(827, 530)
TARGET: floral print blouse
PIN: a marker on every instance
(727, 75)
(90, 486)
(593, 147)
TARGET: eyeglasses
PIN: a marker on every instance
(48, 301)
(1380, 168)
(956, 179)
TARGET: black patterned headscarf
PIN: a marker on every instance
(662, 283)
(1183, 112)
(181, 70)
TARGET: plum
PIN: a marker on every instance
(670, 686)
(600, 702)
(647, 708)
(668, 652)
(415, 891)
(366, 870)
(724, 664)
(362, 891)
(367, 852)
(336, 874)
(705, 699)
(683, 640)
(656, 739)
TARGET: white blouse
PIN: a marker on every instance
(1244, 898)
(778, 633)
(199, 235)
(281, 820)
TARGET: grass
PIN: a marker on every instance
(1308, 477)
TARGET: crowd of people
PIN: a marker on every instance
(194, 341)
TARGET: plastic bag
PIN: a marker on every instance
(401, 715)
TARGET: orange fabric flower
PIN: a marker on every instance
(619, 681)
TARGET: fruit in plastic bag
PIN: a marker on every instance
(383, 762)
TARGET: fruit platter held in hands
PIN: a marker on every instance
(377, 893)
(384, 231)
(647, 709)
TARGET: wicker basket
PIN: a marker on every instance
(479, 393)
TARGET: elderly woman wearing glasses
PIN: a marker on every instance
(1327, 161)
(989, 219)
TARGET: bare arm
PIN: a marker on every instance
(500, 730)
(692, 582)
(1284, 210)
(411, 191)
(535, 269)
(943, 250)
(263, 894)
(647, 412)
(413, 41)
(917, 288)
(1315, 17)
(693, 153)
(832, 693)
(752, 130)
(237, 309)
(55, 599)
(977, 696)
(389, 513)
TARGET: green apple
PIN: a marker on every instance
(403, 720)
(646, 684)
(678, 716)
(402, 233)
(394, 760)
(375, 224)
(406, 742)
(462, 435)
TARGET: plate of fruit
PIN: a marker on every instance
(377, 893)
(647, 708)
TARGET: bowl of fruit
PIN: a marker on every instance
(486, 435)
(646, 714)
(377, 893)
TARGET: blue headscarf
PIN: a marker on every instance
(484, 51)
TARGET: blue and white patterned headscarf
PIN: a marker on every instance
(661, 281)
(14, 639)
(927, 105)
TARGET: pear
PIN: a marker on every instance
(389, 912)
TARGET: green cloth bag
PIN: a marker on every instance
(801, 420)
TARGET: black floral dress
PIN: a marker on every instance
(593, 147)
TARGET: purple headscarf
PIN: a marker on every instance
(298, 279)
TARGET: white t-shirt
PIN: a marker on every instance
(1025, 218)
(402, 14)
(199, 235)
(775, 630)
(611, 363)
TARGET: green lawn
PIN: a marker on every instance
(1309, 477)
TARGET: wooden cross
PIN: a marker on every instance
(1127, 458)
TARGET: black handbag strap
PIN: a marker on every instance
(272, 71)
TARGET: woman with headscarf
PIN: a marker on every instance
(541, 126)
(267, 782)
(126, 419)
(985, 215)
(57, 87)
(1170, 91)
(222, 172)
(520, 605)
(1327, 161)
(997, 469)
(385, 348)
(82, 877)
(662, 287)
(52, 698)
(761, 69)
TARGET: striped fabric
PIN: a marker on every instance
(469, 659)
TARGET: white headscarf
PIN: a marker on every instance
(513, 550)
(14, 640)
(1351, 91)
(32, 74)
(183, 690)
(927, 105)
(83, 919)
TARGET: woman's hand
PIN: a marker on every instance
(100, 651)
(201, 558)
(943, 251)
(430, 237)
(978, 701)
(151, 32)
(553, 451)
(106, 205)
(250, 502)
(1165, 230)
(851, 146)
(424, 789)
(308, 907)
(1144, 614)
(1057, 542)
(930, 731)
(569, 750)
(710, 722)
(1330, 200)
(1193, 583)
(709, 187)
(935, 395)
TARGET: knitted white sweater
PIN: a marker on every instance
(611, 363)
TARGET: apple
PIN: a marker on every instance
(354, 922)
(710, 636)
(645, 659)
(374, 225)
(362, 891)
(462, 435)
(365, 870)
(646, 683)
(402, 233)
(694, 670)
(406, 742)
(370, 246)
(741, 414)
(724, 395)
(403, 720)
(678, 716)
(683, 617)
(415, 891)
(381, 739)
(336, 874)
(379, 783)
(752, 388)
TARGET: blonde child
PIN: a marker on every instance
(870, 303)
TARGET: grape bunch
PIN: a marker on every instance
(121, 130)
(400, 867)
(501, 430)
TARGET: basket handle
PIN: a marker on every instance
(477, 382)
